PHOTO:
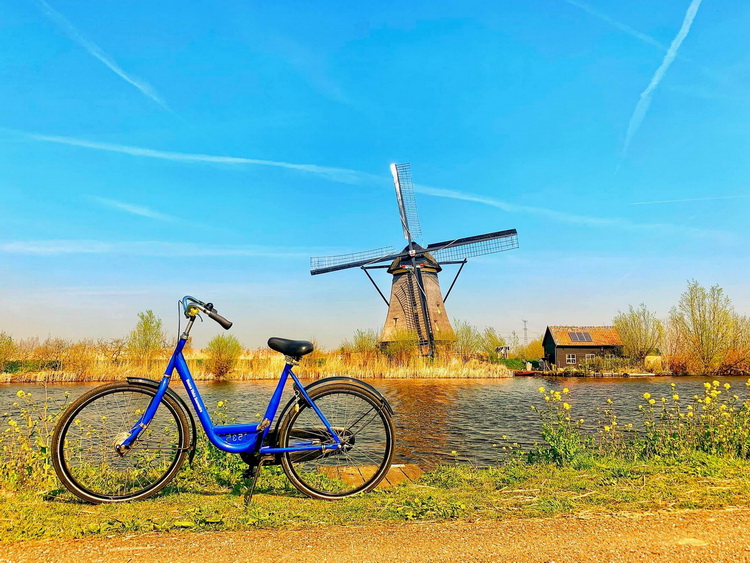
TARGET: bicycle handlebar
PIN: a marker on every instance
(207, 308)
(219, 319)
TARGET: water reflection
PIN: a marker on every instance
(437, 417)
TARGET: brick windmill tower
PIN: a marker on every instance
(417, 305)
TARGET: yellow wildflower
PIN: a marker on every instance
(220, 404)
(566, 406)
(607, 429)
(708, 400)
(675, 397)
(647, 396)
(20, 394)
(651, 401)
(566, 390)
(541, 389)
(707, 385)
(727, 386)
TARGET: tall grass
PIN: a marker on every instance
(85, 366)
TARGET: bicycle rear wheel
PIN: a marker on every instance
(365, 428)
(83, 444)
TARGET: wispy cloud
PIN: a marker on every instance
(349, 176)
(712, 198)
(142, 248)
(342, 175)
(139, 210)
(619, 25)
(571, 218)
(95, 51)
(645, 99)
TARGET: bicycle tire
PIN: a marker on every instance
(364, 424)
(83, 444)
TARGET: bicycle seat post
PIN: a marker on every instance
(291, 360)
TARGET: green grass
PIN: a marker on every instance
(511, 490)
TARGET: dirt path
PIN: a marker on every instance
(710, 536)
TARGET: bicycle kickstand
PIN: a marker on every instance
(253, 473)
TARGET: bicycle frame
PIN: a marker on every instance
(232, 438)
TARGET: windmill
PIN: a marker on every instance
(417, 305)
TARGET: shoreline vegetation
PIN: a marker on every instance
(683, 453)
(262, 364)
(703, 335)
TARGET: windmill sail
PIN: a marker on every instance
(407, 204)
(466, 247)
(324, 264)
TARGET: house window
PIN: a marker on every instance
(570, 358)
(609, 357)
(590, 357)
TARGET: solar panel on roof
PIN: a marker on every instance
(580, 337)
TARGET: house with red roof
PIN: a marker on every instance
(568, 346)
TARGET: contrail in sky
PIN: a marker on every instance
(645, 100)
(713, 198)
(140, 210)
(357, 177)
(95, 51)
(341, 175)
(619, 25)
(141, 248)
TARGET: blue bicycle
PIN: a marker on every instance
(127, 440)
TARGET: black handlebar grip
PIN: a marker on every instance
(219, 319)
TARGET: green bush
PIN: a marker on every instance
(223, 352)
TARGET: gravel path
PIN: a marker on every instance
(696, 536)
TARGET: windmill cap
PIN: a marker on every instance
(424, 261)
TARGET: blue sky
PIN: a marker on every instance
(152, 150)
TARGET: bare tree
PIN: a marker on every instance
(147, 339)
(706, 329)
(641, 332)
(7, 349)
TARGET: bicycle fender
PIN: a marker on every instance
(155, 385)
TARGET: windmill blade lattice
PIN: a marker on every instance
(478, 245)
(407, 203)
(323, 264)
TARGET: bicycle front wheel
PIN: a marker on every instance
(365, 429)
(84, 452)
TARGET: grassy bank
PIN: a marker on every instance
(263, 364)
(684, 453)
(512, 490)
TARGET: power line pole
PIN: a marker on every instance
(525, 334)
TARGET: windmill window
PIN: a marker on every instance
(570, 358)
(590, 357)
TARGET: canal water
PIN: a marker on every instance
(446, 420)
